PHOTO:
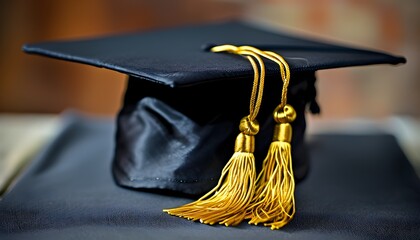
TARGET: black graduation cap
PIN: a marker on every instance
(176, 128)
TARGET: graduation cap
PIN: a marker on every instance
(188, 89)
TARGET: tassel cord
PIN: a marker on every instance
(225, 203)
(269, 197)
(273, 203)
(284, 70)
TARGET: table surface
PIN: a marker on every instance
(366, 191)
(24, 135)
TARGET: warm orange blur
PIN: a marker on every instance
(37, 84)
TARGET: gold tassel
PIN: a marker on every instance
(227, 202)
(274, 203)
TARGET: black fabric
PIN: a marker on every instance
(359, 187)
(180, 139)
(176, 56)
(178, 134)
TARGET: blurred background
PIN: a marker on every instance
(32, 84)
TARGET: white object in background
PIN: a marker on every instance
(21, 137)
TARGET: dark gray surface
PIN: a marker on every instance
(359, 187)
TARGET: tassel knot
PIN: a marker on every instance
(283, 130)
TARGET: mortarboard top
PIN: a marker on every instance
(179, 56)
(178, 138)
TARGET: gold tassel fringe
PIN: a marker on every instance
(274, 202)
(225, 203)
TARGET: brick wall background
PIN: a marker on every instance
(36, 84)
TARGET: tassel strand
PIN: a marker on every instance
(274, 203)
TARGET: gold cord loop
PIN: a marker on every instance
(284, 69)
(226, 203)
(239, 193)
(250, 52)
(259, 75)
(273, 203)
